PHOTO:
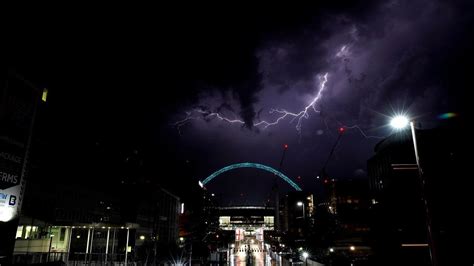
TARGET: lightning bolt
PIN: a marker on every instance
(363, 133)
(199, 113)
(282, 113)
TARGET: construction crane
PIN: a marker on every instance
(323, 173)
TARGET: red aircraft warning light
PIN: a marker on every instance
(285, 146)
(342, 129)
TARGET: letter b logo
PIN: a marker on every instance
(12, 200)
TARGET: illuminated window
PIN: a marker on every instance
(224, 220)
(62, 234)
(44, 96)
(28, 232)
(19, 231)
(269, 220)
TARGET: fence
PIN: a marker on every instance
(72, 258)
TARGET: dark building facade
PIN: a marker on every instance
(399, 213)
(296, 216)
(74, 220)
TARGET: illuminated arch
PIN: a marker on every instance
(250, 165)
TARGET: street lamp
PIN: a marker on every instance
(50, 244)
(300, 203)
(399, 123)
(305, 256)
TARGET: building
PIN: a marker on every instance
(400, 217)
(246, 219)
(296, 213)
(79, 223)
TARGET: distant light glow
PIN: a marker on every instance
(299, 203)
(200, 184)
(399, 122)
(182, 208)
(447, 115)
(331, 250)
(142, 237)
(352, 248)
(414, 245)
(44, 96)
(305, 255)
(6, 214)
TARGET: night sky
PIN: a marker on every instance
(121, 77)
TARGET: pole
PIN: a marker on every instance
(191, 254)
(69, 243)
(333, 149)
(27, 151)
(113, 244)
(277, 193)
(92, 240)
(29, 237)
(87, 244)
(126, 246)
(304, 216)
(107, 245)
(50, 243)
(431, 244)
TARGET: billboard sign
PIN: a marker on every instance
(17, 103)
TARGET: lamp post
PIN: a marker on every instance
(399, 123)
(300, 203)
(50, 244)
(305, 256)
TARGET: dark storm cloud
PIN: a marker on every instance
(379, 57)
(388, 57)
(382, 58)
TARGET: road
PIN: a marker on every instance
(249, 252)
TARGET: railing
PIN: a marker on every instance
(38, 257)
(79, 258)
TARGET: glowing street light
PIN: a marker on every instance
(399, 122)
(301, 204)
(305, 256)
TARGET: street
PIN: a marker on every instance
(249, 252)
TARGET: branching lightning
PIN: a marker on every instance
(200, 113)
(363, 133)
(204, 114)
